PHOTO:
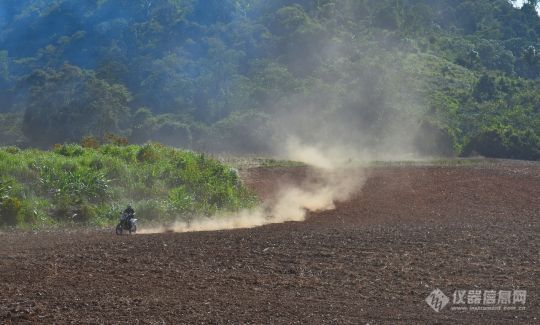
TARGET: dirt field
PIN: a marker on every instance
(373, 260)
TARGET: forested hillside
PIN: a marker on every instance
(445, 77)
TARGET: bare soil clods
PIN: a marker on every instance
(375, 258)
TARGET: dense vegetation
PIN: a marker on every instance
(450, 76)
(77, 185)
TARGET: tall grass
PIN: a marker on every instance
(76, 185)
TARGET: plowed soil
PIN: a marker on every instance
(374, 259)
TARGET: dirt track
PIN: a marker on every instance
(372, 260)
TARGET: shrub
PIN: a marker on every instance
(153, 210)
(505, 143)
(12, 150)
(90, 142)
(69, 181)
(69, 150)
(105, 215)
(73, 184)
(96, 164)
(148, 153)
(181, 200)
(127, 153)
(34, 212)
(9, 211)
(116, 139)
(5, 187)
(84, 213)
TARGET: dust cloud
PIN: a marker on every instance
(329, 180)
(366, 113)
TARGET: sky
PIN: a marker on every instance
(519, 3)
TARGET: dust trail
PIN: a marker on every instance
(329, 180)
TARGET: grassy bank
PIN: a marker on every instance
(72, 185)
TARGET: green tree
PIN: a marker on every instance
(485, 89)
(67, 104)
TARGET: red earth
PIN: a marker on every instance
(374, 259)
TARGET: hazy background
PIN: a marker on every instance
(383, 79)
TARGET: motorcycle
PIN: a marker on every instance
(127, 223)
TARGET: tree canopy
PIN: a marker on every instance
(209, 74)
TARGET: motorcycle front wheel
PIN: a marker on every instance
(133, 229)
(119, 229)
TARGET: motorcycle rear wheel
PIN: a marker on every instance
(119, 229)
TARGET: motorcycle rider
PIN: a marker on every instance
(129, 213)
